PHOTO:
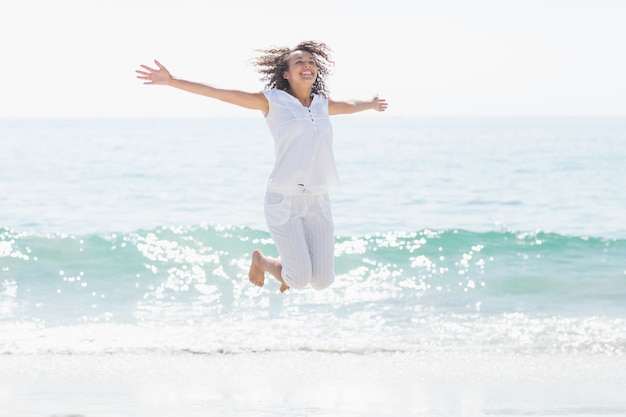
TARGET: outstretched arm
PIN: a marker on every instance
(353, 106)
(161, 76)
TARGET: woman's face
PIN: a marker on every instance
(302, 68)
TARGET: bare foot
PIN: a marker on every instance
(257, 271)
(260, 264)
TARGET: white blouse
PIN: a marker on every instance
(303, 142)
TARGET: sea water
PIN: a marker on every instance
(466, 249)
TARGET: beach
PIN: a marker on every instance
(312, 384)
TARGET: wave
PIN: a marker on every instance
(185, 290)
(149, 272)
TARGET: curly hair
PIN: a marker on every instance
(273, 62)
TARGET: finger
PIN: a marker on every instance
(148, 68)
(158, 64)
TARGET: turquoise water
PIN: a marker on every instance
(429, 290)
(455, 238)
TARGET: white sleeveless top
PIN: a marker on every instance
(303, 142)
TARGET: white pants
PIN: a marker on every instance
(300, 223)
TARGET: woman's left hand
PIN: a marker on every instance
(380, 104)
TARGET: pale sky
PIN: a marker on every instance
(73, 58)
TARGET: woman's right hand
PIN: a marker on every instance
(160, 75)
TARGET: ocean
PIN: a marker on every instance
(480, 271)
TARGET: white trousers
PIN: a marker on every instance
(300, 223)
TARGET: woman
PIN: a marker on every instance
(296, 106)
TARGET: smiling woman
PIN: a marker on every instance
(296, 106)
